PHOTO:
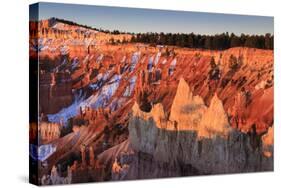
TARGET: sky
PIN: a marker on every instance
(151, 20)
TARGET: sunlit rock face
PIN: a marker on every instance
(49, 131)
(88, 61)
(147, 113)
(187, 109)
(211, 146)
(214, 121)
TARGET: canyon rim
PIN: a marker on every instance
(126, 99)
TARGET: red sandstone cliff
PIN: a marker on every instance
(221, 112)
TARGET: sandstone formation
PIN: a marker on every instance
(131, 111)
(211, 147)
(48, 131)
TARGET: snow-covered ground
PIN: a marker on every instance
(100, 99)
(99, 59)
(64, 50)
(123, 60)
(42, 152)
(75, 63)
(59, 26)
(174, 62)
(39, 45)
(150, 63)
(87, 42)
(129, 89)
(156, 60)
(134, 60)
(117, 103)
(172, 66)
(68, 112)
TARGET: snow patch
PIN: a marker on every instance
(172, 67)
(150, 64)
(134, 60)
(39, 45)
(99, 59)
(156, 60)
(64, 50)
(174, 62)
(59, 26)
(87, 42)
(117, 103)
(42, 152)
(68, 112)
(103, 96)
(100, 99)
(75, 63)
(130, 88)
(123, 60)
(95, 86)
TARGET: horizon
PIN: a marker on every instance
(154, 20)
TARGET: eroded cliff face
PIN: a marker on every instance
(149, 75)
(48, 132)
(151, 111)
(187, 109)
(211, 146)
(55, 92)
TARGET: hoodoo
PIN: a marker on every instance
(118, 106)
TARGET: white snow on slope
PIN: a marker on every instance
(59, 26)
(150, 63)
(117, 103)
(75, 63)
(99, 59)
(135, 59)
(39, 45)
(42, 152)
(64, 50)
(95, 86)
(164, 61)
(129, 89)
(45, 151)
(156, 60)
(87, 42)
(123, 60)
(69, 111)
(100, 99)
(172, 66)
(174, 62)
